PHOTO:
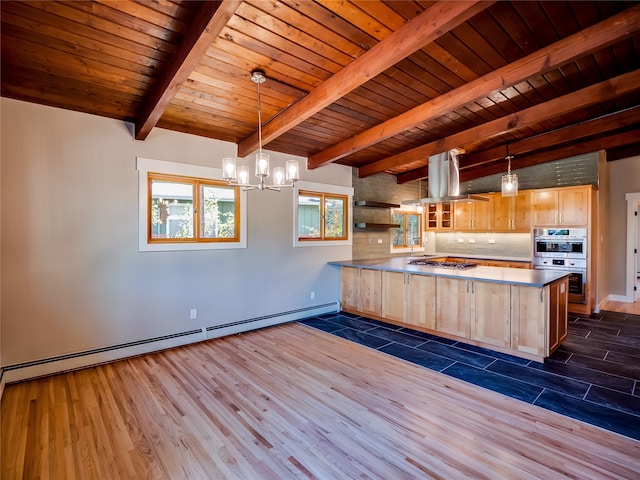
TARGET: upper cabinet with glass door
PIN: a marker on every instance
(439, 216)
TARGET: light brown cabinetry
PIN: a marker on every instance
(558, 331)
(409, 299)
(453, 311)
(491, 321)
(421, 301)
(511, 214)
(362, 290)
(504, 263)
(565, 207)
(477, 310)
(350, 288)
(439, 216)
(471, 216)
(540, 316)
(393, 295)
(521, 320)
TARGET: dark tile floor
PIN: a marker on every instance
(593, 377)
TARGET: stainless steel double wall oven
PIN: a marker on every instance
(563, 249)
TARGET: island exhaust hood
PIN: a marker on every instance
(444, 180)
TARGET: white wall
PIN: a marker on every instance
(624, 177)
(638, 237)
(72, 276)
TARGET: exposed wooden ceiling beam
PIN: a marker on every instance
(207, 24)
(571, 134)
(615, 140)
(565, 104)
(623, 151)
(422, 30)
(578, 45)
(593, 145)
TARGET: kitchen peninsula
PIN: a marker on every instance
(517, 311)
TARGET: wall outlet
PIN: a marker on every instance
(492, 240)
(461, 240)
(194, 313)
(472, 240)
(312, 295)
(379, 240)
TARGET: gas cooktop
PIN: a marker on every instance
(441, 264)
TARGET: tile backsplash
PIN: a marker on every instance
(514, 245)
(375, 243)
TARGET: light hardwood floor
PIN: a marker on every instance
(289, 402)
(622, 307)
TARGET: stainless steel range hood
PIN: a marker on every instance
(444, 180)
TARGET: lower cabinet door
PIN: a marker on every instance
(393, 293)
(350, 288)
(491, 317)
(529, 319)
(421, 301)
(370, 291)
(453, 313)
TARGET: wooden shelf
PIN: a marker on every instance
(370, 204)
(377, 225)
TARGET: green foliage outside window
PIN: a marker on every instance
(322, 216)
(410, 232)
(174, 206)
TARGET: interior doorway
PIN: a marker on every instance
(633, 245)
(636, 250)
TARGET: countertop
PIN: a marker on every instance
(514, 276)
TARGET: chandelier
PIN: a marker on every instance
(510, 180)
(282, 177)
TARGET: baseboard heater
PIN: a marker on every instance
(274, 315)
(95, 356)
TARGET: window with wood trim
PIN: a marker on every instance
(322, 216)
(191, 210)
(410, 232)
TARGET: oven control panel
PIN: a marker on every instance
(560, 263)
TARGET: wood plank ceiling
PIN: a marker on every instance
(376, 85)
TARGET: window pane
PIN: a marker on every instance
(334, 214)
(414, 229)
(217, 212)
(308, 216)
(398, 233)
(171, 209)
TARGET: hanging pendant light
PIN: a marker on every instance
(282, 177)
(510, 180)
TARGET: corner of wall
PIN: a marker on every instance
(602, 229)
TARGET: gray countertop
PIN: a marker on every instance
(515, 276)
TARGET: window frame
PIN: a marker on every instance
(405, 212)
(323, 190)
(149, 169)
(196, 184)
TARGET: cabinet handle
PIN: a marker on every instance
(541, 299)
(467, 286)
